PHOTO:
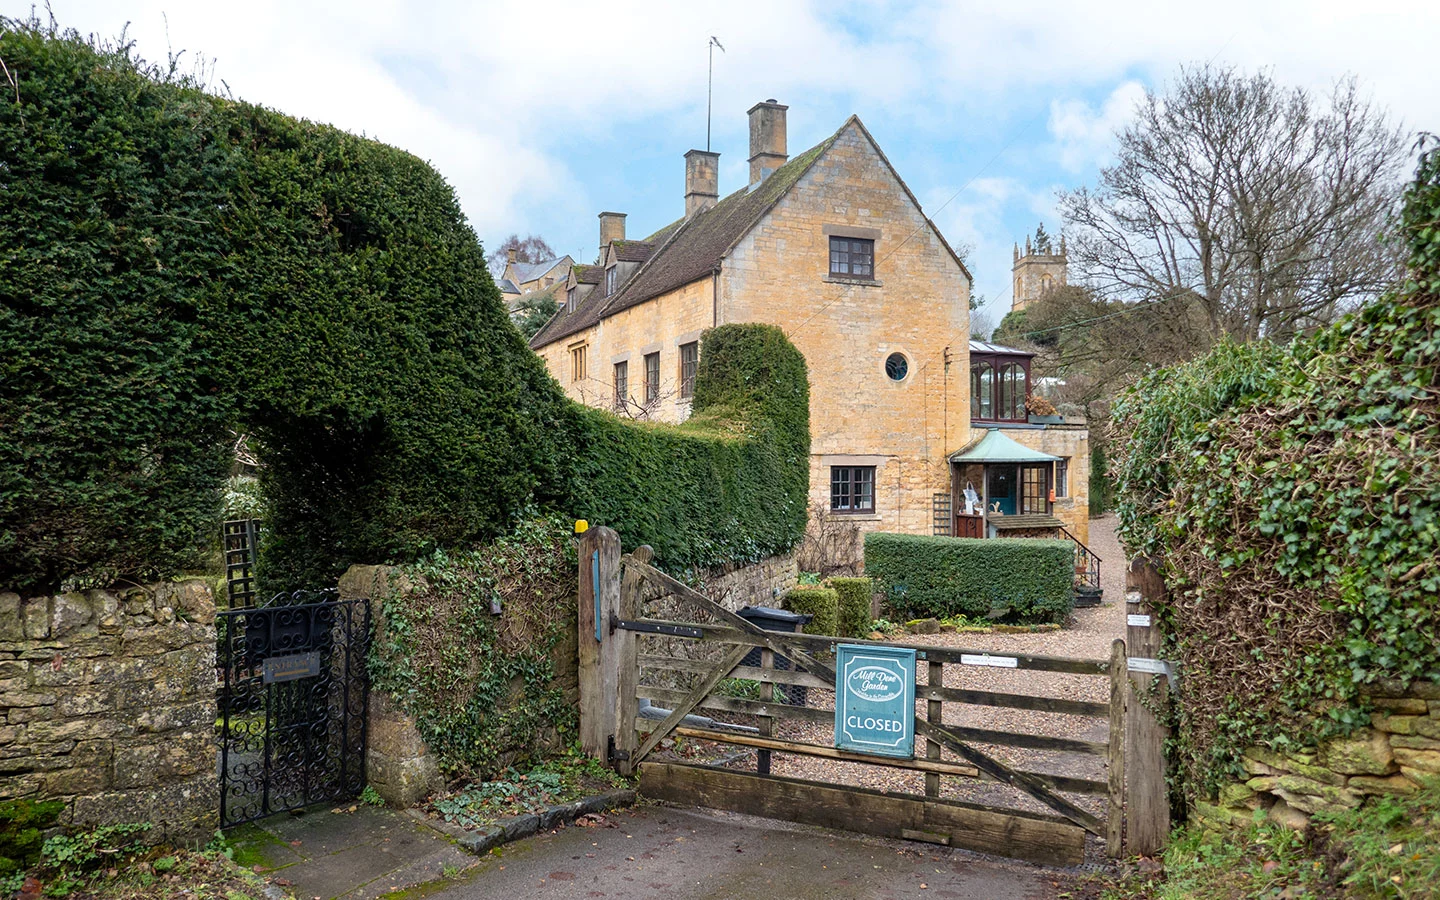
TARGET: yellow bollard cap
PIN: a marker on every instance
(581, 526)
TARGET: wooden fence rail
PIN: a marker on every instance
(612, 618)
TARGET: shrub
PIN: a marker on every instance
(1027, 580)
(1289, 495)
(819, 602)
(853, 598)
(111, 413)
(177, 263)
(728, 485)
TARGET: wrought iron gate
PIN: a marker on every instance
(292, 691)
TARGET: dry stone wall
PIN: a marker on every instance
(1399, 751)
(107, 703)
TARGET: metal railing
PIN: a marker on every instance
(1087, 564)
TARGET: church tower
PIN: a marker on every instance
(1039, 271)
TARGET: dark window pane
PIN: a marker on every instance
(852, 488)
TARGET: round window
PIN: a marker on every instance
(897, 366)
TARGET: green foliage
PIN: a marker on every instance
(554, 782)
(242, 498)
(110, 419)
(371, 797)
(728, 485)
(1026, 580)
(1290, 494)
(1388, 849)
(483, 689)
(820, 602)
(73, 855)
(22, 824)
(535, 309)
(1102, 487)
(853, 598)
(176, 263)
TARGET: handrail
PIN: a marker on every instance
(1087, 564)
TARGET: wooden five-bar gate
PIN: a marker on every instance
(700, 648)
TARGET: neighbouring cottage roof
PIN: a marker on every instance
(686, 249)
(530, 271)
(995, 447)
(507, 286)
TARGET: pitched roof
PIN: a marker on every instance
(587, 274)
(987, 347)
(530, 271)
(507, 286)
(995, 447)
(687, 249)
(633, 251)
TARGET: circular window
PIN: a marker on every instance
(897, 366)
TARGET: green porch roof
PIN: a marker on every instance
(995, 447)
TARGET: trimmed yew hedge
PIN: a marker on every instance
(820, 602)
(174, 265)
(1021, 579)
(853, 596)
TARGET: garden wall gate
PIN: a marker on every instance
(292, 693)
(688, 656)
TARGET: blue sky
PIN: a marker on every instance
(542, 114)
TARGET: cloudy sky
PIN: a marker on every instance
(544, 113)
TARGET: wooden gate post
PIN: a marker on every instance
(599, 668)
(1148, 806)
(627, 664)
(1115, 756)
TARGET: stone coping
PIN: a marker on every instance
(483, 838)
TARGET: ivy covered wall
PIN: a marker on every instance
(1292, 496)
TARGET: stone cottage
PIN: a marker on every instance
(831, 246)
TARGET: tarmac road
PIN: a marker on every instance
(662, 852)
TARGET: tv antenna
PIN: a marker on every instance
(710, 86)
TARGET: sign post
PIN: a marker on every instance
(875, 700)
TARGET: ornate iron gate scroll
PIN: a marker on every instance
(292, 692)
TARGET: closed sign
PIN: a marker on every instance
(875, 700)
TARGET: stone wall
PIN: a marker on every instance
(756, 584)
(107, 702)
(1399, 750)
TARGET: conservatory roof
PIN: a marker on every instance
(995, 447)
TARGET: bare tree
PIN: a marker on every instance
(531, 249)
(1260, 202)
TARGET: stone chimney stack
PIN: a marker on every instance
(702, 181)
(510, 255)
(767, 139)
(612, 228)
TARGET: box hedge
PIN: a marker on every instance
(178, 265)
(853, 597)
(1020, 579)
(820, 602)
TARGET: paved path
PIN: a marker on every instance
(355, 855)
(659, 852)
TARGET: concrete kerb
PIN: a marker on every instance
(483, 839)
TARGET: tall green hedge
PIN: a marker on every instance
(1292, 496)
(173, 264)
(112, 399)
(1027, 580)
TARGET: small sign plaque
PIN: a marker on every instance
(291, 668)
(875, 700)
(1138, 621)
(985, 659)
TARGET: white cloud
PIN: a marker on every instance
(505, 97)
(1085, 136)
